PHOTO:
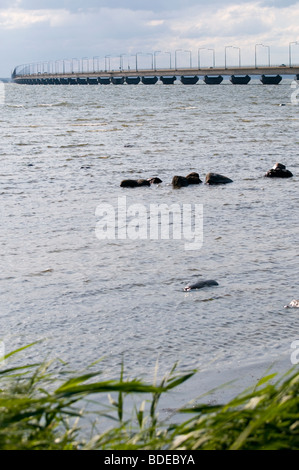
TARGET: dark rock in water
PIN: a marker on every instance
(134, 183)
(279, 166)
(182, 181)
(193, 178)
(201, 285)
(279, 171)
(278, 174)
(192, 175)
(143, 183)
(215, 178)
(179, 182)
(129, 184)
(155, 180)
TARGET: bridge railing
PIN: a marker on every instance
(152, 61)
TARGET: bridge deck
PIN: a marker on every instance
(273, 70)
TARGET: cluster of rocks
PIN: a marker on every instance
(278, 171)
(178, 181)
(182, 181)
(138, 183)
(193, 178)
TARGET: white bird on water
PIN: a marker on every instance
(293, 304)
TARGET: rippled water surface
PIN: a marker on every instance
(65, 150)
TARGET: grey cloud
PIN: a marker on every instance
(154, 5)
(138, 27)
(75, 5)
(279, 3)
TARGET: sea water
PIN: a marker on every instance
(65, 150)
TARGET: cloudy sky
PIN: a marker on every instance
(42, 30)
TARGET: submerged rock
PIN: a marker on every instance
(180, 182)
(143, 182)
(138, 183)
(155, 180)
(193, 178)
(279, 171)
(129, 184)
(134, 183)
(215, 178)
(201, 285)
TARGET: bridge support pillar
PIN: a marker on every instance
(149, 80)
(236, 80)
(213, 80)
(104, 80)
(189, 80)
(118, 80)
(92, 81)
(82, 81)
(271, 80)
(132, 80)
(168, 80)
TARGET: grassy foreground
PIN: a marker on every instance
(40, 411)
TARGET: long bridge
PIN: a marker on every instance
(79, 72)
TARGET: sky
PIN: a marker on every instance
(49, 30)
